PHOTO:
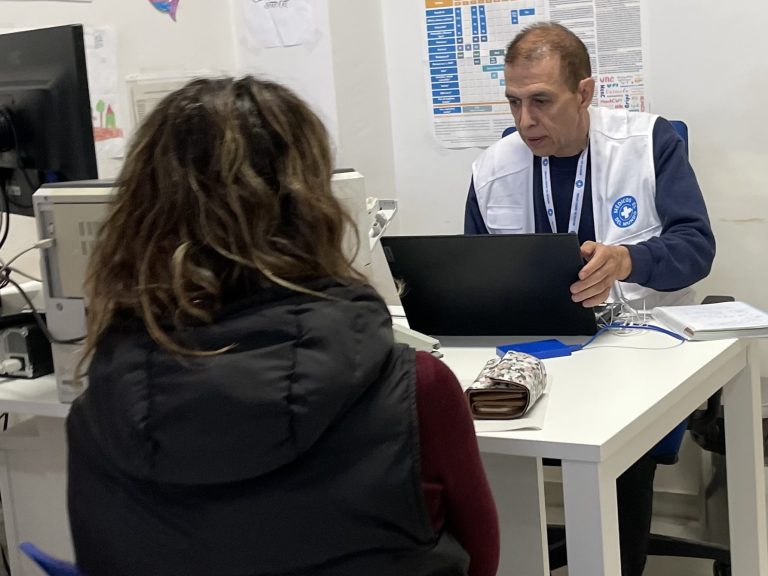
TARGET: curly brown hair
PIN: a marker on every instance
(226, 181)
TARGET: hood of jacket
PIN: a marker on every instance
(297, 363)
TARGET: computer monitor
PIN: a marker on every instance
(46, 133)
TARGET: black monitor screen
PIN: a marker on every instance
(46, 133)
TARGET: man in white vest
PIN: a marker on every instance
(620, 180)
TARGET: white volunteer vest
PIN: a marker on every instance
(623, 186)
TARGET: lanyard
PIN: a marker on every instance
(578, 192)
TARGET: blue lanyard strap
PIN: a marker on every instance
(577, 200)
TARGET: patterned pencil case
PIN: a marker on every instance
(507, 387)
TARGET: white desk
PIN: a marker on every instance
(608, 406)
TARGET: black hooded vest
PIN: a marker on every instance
(294, 453)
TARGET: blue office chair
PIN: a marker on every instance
(50, 565)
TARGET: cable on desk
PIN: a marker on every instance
(631, 347)
(6, 268)
(9, 269)
(39, 245)
(622, 326)
(6, 565)
(6, 211)
(39, 319)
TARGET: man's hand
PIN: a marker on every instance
(605, 264)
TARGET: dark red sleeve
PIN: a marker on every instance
(453, 477)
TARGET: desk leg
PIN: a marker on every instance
(591, 520)
(33, 483)
(517, 483)
(744, 461)
(9, 514)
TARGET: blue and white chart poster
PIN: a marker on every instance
(465, 44)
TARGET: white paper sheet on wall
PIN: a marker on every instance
(273, 23)
(106, 114)
(147, 90)
(146, 93)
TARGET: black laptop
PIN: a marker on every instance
(490, 285)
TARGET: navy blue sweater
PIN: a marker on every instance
(679, 257)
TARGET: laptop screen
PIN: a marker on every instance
(490, 285)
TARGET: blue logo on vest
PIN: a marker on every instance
(579, 183)
(624, 211)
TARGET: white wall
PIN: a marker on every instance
(363, 94)
(307, 69)
(707, 66)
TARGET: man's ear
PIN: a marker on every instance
(585, 91)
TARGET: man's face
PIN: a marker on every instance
(548, 115)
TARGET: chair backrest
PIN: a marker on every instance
(680, 127)
(50, 565)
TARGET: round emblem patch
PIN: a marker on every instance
(624, 211)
